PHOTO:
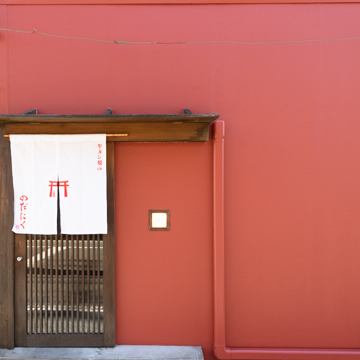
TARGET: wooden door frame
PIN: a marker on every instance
(185, 127)
(7, 338)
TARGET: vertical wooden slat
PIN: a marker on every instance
(27, 286)
(88, 281)
(98, 283)
(28, 282)
(83, 283)
(95, 284)
(93, 267)
(36, 284)
(67, 285)
(51, 238)
(41, 282)
(100, 311)
(72, 283)
(77, 284)
(96, 320)
(34, 264)
(46, 284)
(29, 239)
(57, 285)
(39, 304)
(41, 271)
(62, 284)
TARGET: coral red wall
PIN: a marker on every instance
(164, 277)
(289, 96)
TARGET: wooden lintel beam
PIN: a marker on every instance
(137, 127)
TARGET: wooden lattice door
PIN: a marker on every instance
(60, 292)
(64, 285)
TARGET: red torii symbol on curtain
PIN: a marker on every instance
(57, 184)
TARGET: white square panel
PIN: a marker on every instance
(159, 219)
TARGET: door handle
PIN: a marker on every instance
(19, 258)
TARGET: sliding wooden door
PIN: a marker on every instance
(64, 285)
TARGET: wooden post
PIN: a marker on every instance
(6, 247)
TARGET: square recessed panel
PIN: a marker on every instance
(159, 219)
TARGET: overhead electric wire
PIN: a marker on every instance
(35, 31)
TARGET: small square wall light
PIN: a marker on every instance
(159, 219)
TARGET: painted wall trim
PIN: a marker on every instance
(221, 351)
(169, 2)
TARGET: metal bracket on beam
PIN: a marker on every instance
(187, 111)
(31, 112)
